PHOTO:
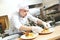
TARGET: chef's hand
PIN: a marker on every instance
(36, 29)
(47, 26)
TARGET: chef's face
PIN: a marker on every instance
(23, 12)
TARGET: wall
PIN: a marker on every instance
(48, 3)
(7, 7)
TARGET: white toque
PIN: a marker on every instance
(23, 7)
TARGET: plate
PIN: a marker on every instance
(31, 36)
(47, 31)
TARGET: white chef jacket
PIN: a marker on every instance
(17, 21)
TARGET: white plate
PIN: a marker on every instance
(25, 37)
(50, 31)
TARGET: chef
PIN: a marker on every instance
(20, 22)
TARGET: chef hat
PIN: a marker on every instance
(23, 7)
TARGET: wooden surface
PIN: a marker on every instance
(53, 36)
(4, 22)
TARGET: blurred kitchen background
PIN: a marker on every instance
(50, 7)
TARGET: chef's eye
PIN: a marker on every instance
(25, 11)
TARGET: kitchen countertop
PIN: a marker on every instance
(52, 36)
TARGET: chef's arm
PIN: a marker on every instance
(40, 22)
(25, 28)
(35, 29)
(37, 21)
